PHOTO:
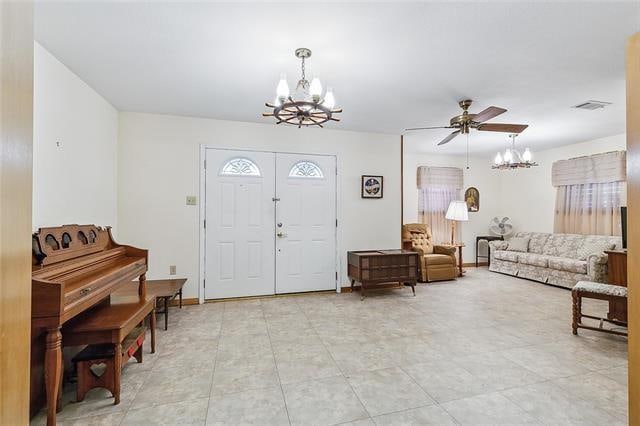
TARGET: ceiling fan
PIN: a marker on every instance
(466, 121)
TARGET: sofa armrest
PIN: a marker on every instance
(448, 250)
(498, 245)
(597, 267)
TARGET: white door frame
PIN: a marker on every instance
(202, 213)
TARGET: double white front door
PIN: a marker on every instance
(270, 223)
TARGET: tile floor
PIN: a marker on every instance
(486, 349)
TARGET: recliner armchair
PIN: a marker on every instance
(437, 262)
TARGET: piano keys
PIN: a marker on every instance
(74, 267)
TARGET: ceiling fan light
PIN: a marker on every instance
(498, 159)
(526, 156)
(282, 91)
(329, 99)
(315, 89)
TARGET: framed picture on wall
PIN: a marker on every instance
(472, 197)
(371, 186)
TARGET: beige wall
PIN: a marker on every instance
(479, 175)
(158, 165)
(525, 195)
(16, 132)
(76, 181)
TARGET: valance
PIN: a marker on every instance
(598, 168)
(439, 176)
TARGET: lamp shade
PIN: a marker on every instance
(457, 211)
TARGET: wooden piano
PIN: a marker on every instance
(74, 268)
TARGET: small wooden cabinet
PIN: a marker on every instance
(617, 275)
(373, 267)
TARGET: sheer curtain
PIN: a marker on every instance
(590, 191)
(437, 187)
(592, 208)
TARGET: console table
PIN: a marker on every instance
(486, 238)
(617, 275)
(373, 267)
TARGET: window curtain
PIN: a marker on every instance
(437, 187)
(590, 191)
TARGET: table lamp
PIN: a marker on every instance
(457, 211)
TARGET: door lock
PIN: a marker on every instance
(279, 225)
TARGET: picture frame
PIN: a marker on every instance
(472, 198)
(371, 186)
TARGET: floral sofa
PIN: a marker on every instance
(558, 259)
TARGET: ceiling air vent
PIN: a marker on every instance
(591, 105)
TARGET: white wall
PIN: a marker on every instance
(525, 195)
(75, 182)
(478, 175)
(158, 165)
(528, 197)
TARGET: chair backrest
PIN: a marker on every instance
(420, 236)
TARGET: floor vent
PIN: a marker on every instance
(591, 105)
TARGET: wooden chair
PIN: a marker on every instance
(611, 293)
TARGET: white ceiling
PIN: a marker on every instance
(392, 65)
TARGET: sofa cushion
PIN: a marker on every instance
(534, 259)
(593, 247)
(510, 256)
(518, 244)
(570, 265)
(537, 240)
(563, 245)
(439, 259)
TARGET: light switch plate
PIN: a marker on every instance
(191, 200)
(172, 269)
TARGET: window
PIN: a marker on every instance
(306, 169)
(437, 188)
(590, 191)
(240, 167)
(591, 208)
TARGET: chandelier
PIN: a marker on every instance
(306, 106)
(512, 158)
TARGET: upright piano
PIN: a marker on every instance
(74, 268)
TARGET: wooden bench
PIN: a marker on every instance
(614, 294)
(112, 322)
(90, 360)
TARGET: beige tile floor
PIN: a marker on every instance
(485, 349)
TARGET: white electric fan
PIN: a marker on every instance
(501, 226)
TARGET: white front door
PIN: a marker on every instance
(305, 223)
(239, 227)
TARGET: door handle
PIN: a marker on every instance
(281, 235)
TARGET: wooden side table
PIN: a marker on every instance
(617, 275)
(167, 290)
(486, 238)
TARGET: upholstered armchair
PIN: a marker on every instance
(437, 262)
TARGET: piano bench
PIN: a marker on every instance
(96, 365)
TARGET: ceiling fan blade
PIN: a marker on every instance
(428, 128)
(448, 138)
(488, 114)
(501, 127)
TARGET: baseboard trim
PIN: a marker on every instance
(473, 264)
(185, 302)
(268, 296)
